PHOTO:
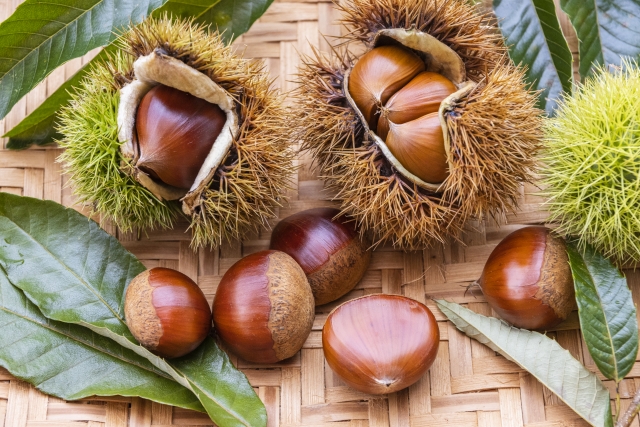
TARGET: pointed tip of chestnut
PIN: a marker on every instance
(263, 309)
(167, 312)
(527, 279)
(328, 249)
(380, 343)
(175, 133)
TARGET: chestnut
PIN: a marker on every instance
(263, 309)
(327, 247)
(175, 133)
(527, 279)
(379, 74)
(380, 343)
(167, 312)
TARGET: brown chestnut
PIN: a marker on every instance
(419, 146)
(167, 312)
(263, 309)
(380, 343)
(327, 247)
(527, 279)
(421, 96)
(379, 74)
(175, 133)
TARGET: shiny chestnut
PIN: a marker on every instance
(175, 132)
(379, 74)
(167, 312)
(380, 343)
(264, 309)
(527, 279)
(327, 247)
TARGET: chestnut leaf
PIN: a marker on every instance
(607, 31)
(532, 32)
(75, 272)
(542, 357)
(71, 362)
(607, 314)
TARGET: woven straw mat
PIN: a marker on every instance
(468, 385)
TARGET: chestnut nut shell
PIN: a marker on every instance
(380, 343)
(379, 74)
(264, 309)
(329, 250)
(175, 133)
(167, 312)
(527, 279)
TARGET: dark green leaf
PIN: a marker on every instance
(42, 35)
(607, 30)
(542, 357)
(533, 34)
(39, 126)
(71, 362)
(607, 313)
(77, 273)
(233, 17)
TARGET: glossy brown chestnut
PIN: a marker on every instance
(421, 96)
(419, 146)
(175, 133)
(379, 74)
(380, 343)
(527, 279)
(329, 250)
(167, 312)
(263, 309)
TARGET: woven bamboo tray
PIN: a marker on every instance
(468, 385)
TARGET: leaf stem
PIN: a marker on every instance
(630, 414)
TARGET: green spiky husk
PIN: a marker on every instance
(92, 156)
(592, 172)
(247, 187)
(495, 131)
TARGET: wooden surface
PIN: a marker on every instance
(468, 385)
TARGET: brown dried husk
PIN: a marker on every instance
(494, 131)
(250, 183)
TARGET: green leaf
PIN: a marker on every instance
(39, 127)
(607, 313)
(42, 35)
(232, 17)
(532, 32)
(71, 362)
(607, 29)
(542, 357)
(77, 273)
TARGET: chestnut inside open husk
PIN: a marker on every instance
(380, 343)
(175, 132)
(167, 312)
(527, 279)
(264, 309)
(400, 102)
(327, 247)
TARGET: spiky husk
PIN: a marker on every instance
(495, 131)
(591, 172)
(247, 187)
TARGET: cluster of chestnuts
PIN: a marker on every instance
(264, 306)
(401, 106)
